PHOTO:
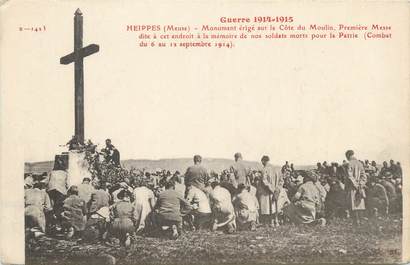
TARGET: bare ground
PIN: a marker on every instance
(376, 241)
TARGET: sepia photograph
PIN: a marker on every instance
(248, 132)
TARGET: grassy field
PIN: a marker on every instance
(376, 241)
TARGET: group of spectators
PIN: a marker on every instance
(381, 187)
(239, 198)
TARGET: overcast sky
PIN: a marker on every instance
(300, 101)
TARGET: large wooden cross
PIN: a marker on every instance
(77, 57)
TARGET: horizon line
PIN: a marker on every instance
(190, 158)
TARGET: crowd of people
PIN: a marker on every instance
(238, 198)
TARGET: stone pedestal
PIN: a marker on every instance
(77, 167)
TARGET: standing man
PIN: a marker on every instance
(111, 153)
(268, 191)
(285, 167)
(196, 175)
(355, 185)
(57, 187)
(385, 168)
(292, 168)
(240, 171)
(393, 167)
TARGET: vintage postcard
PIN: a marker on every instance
(204, 132)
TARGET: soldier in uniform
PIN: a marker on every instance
(240, 171)
(57, 187)
(37, 202)
(355, 186)
(74, 213)
(377, 201)
(85, 189)
(111, 153)
(303, 209)
(222, 209)
(385, 168)
(196, 175)
(246, 208)
(270, 193)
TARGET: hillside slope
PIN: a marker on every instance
(180, 164)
